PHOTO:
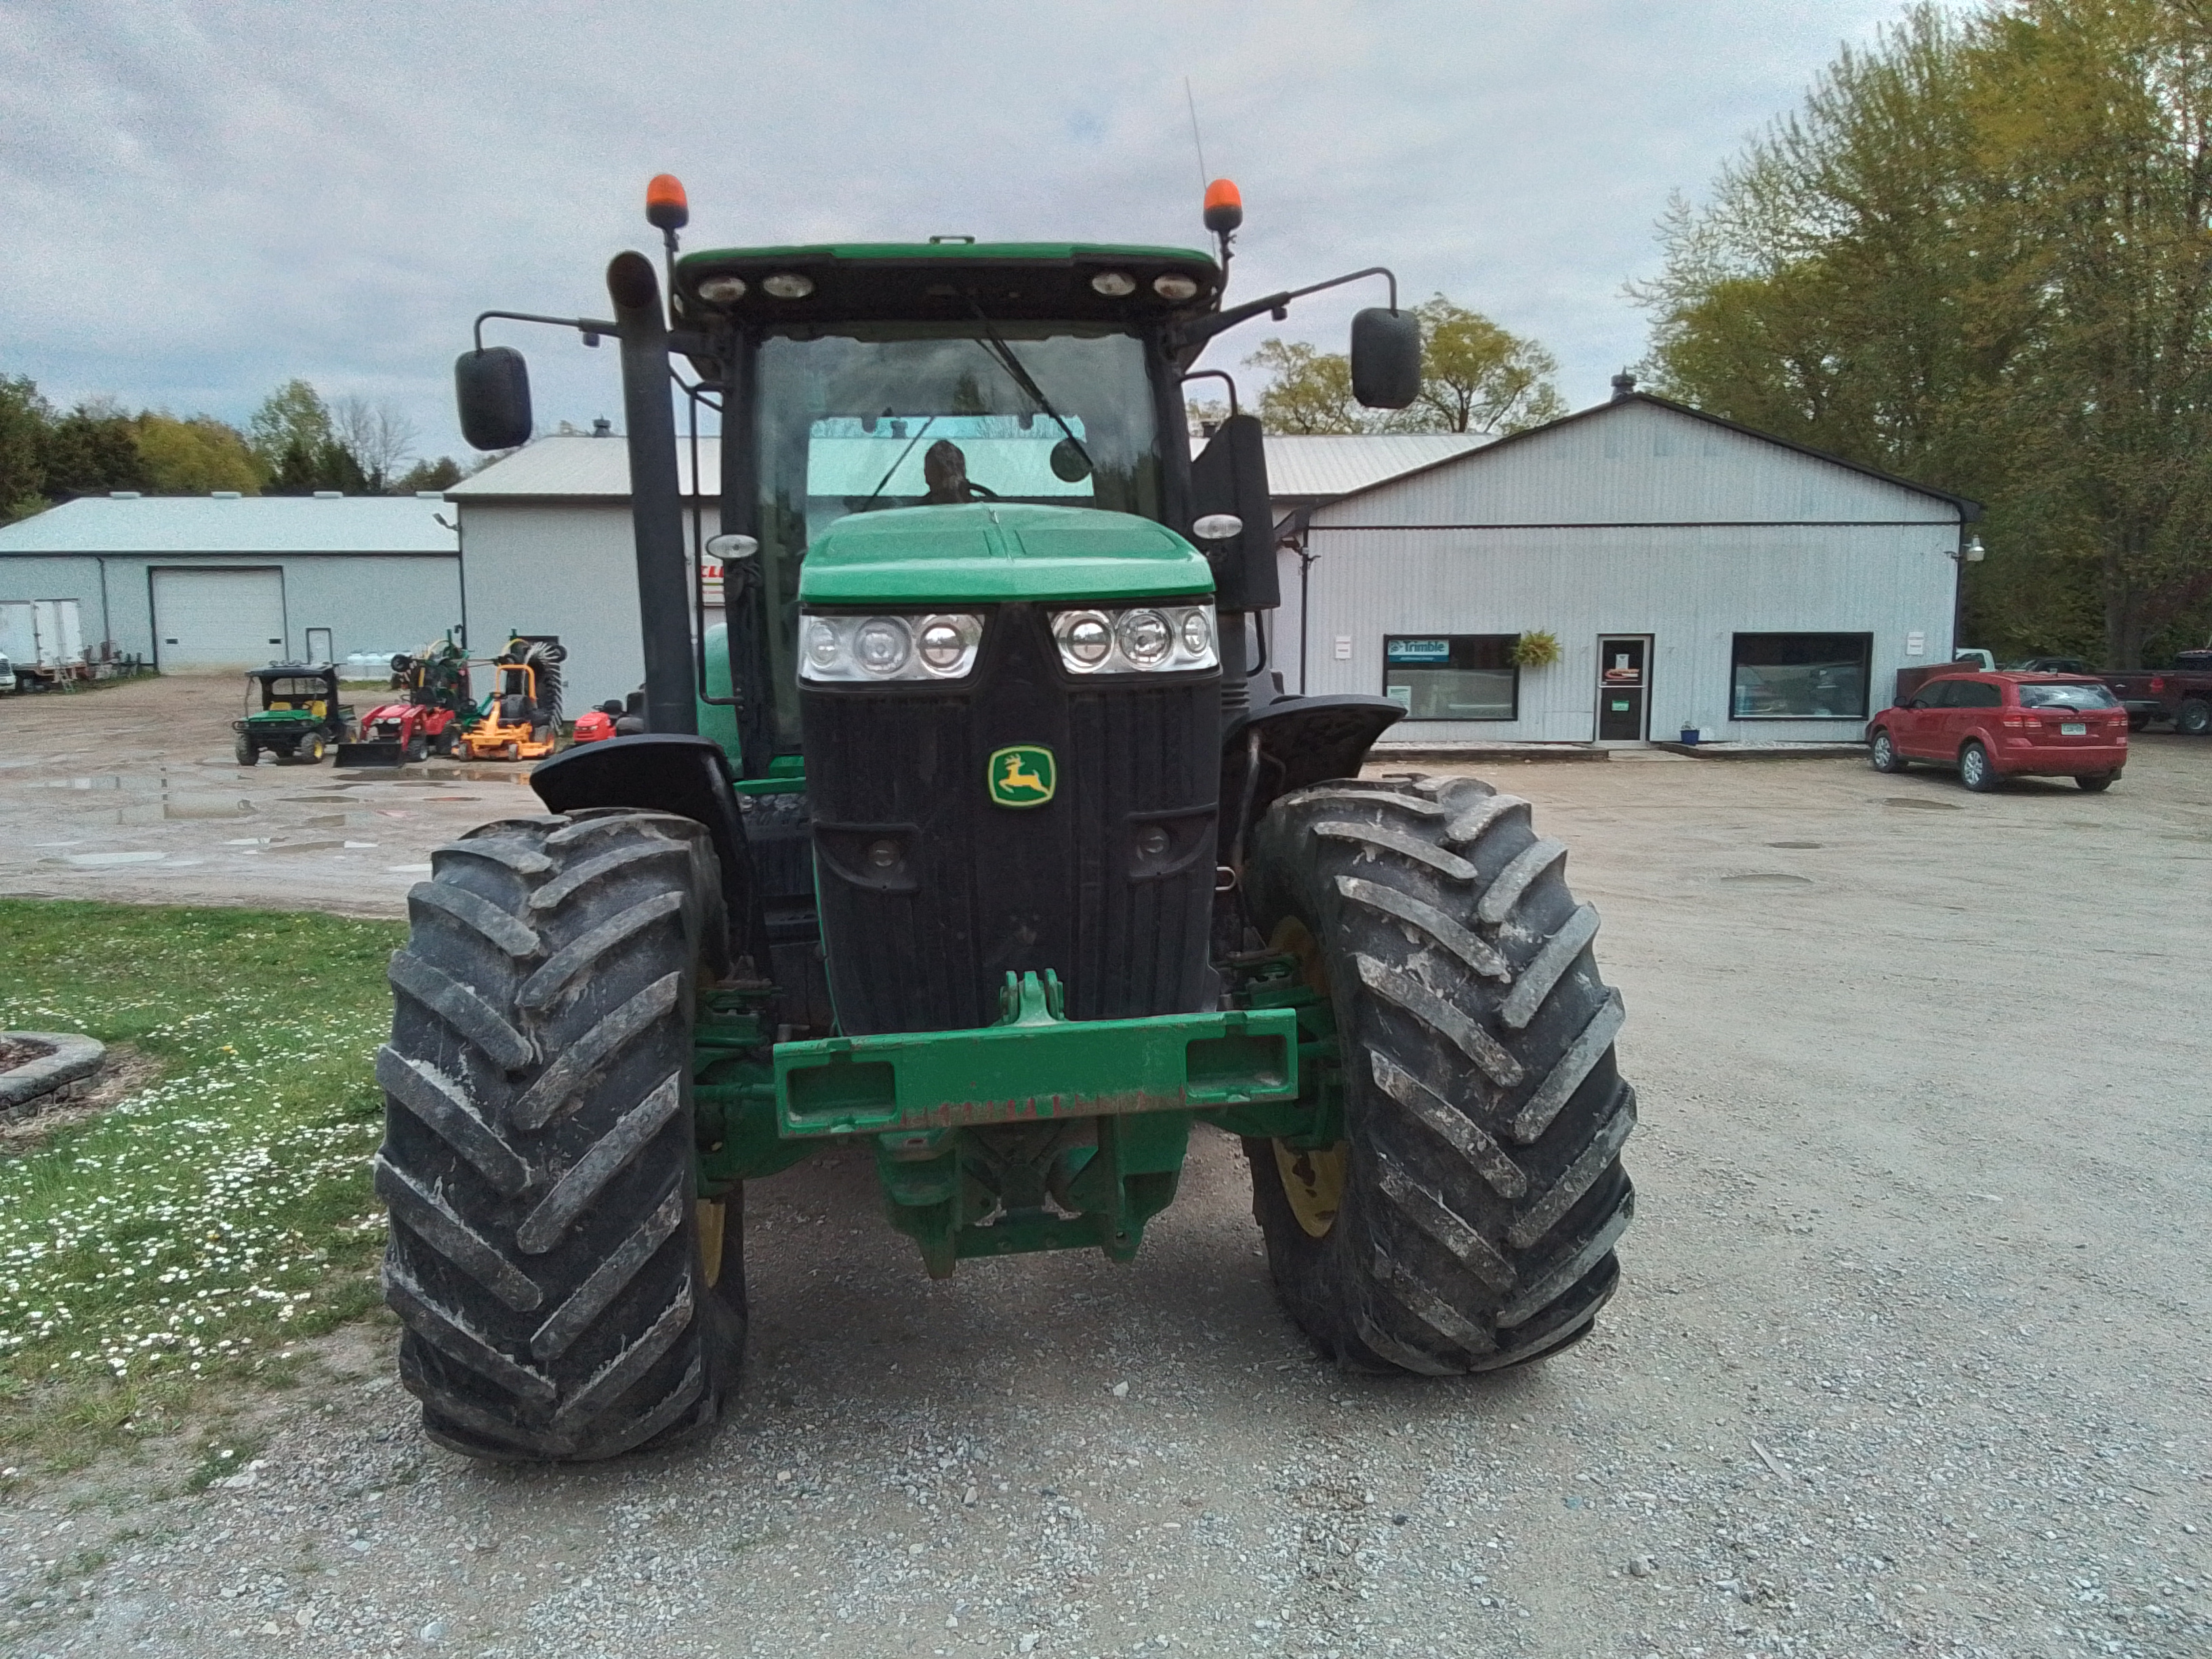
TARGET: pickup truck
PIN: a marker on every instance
(2181, 694)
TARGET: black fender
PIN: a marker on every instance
(670, 772)
(1286, 744)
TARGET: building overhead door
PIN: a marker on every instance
(210, 619)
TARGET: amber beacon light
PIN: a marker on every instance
(1225, 207)
(668, 209)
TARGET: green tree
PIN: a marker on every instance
(292, 416)
(1977, 256)
(1475, 377)
(195, 457)
(90, 451)
(24, 418)
(1308, 391)
(304, 469)
(442, 474)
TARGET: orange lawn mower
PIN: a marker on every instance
(522, 716)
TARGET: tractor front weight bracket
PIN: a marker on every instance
(1039, 1132)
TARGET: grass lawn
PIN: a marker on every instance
(189, 1235)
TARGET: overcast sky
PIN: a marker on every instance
(199, 200)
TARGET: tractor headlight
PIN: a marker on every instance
(883, 645)
(1157, 639)
(1145, 638)
(1086, 637)
(941, 645)
(847, 648)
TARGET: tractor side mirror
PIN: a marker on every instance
(1385, 358)
(491, 388)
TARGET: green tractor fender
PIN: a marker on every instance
(669, 772)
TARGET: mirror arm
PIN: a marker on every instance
(1217, 374)
(1204, 328)
(590, 328)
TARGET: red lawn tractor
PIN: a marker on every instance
(428, 721)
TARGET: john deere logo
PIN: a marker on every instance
(1022, 776)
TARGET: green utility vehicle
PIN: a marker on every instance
(1012, 865)
(300, 716)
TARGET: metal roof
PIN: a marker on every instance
(1969, 509)
(249, 524)
(579, 467)
(1302, 468)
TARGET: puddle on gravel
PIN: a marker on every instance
(1770, 878)
(102, 860)
(1923, 805)
(307, 846)
(205, 806)
(1796, 846)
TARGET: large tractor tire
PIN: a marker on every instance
(1466, 1220)
(565, 1299)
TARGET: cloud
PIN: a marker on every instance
(203, 199)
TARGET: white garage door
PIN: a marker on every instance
(218, 618)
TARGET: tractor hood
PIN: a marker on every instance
(987, 553)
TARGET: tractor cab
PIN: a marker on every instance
(293, 712)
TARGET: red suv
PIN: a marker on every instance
(1994, 726)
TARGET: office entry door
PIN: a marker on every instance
(1624, 689)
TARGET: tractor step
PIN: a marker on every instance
(387, 753)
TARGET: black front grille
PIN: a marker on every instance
(931, 893)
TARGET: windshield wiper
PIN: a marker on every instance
(883, 482)
(1003, 354)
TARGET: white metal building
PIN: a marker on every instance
(1694, 573)
(221, 582)
(547, 549)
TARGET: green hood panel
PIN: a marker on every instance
(1014, 550)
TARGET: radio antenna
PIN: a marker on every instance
(1197, 142)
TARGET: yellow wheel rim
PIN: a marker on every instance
(1313, 1181)
(1314, 1184)
(711, 1213)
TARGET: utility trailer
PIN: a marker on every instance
(1011, 869)
(42, 642)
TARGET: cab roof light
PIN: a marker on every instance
(1225, 207)
(666, 207)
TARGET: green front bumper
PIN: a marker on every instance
(1035, 1064)
(1101, 1110)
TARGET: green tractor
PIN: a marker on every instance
(300, 717)
(1012, 864)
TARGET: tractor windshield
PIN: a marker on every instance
(847, 421)
(861, 416)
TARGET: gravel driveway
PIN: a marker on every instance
(1910, 1357)
(131, 792)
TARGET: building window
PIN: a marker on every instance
(1800, 676)
(1452, 676)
